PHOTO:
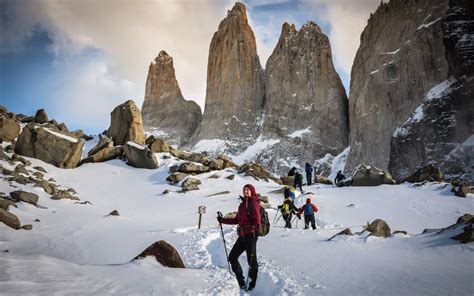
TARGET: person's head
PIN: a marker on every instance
(339, 172)
(308, 200)
(249, 190)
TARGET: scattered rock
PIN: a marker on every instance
(193, 168)
(166, 156)
(219, 193)
(166, 191)
(140, 156)
(16, 157)
(228, 163)
(126, 124)
(27, 227)
(50, 146)
(216, 164)
(38, 175)
(114, 213)
(41, 116)
(37, 220)
(5, 203)
(64, 194)
(24, 196)
(461, 190)
(400, 232)
(9, 219)
(428, 173)
(180, 154)
(51, 180)
(105, 154)
(322, 180)
(214, 176)
(190, 184)
(346, 231)
(200, 158)
(176, 177)
(9, 129)
(257, 171)
(159, 145)
(379, 227)
(104, 142)
(3, 156)
(164, 253)
(47, 187)
(20, 169)
(84, 202)
(230, 177)
(366, 175)
(38, 168)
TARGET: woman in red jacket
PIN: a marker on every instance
(249, 221)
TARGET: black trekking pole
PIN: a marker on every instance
(278, 218)
(276, 214)
(219, 214)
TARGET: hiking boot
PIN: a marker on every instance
(251, 286)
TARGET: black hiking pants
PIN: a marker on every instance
(308, 178)
(287, 218)
(247, 243)
(307, 219)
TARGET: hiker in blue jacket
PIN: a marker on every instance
(309, 173)
(308, 209)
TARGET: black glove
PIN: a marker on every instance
(219, 219)
(299, 216)
(279, 207)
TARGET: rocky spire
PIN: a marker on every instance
(164, 110)
(235, 83)
(304, 94)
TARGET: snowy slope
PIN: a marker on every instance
(76, 249)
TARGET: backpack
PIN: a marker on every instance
(265, 223)
(308, 210)
(285, 208)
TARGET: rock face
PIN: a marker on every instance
(306, 105)
(404, 112)
(50, 146)
(164, 110)
(235, 84)
(126, 124)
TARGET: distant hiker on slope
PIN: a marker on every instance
(298, 182)
(287, 209)
(249, 223)
(308, 209)
(339, 177)
(292, 172)
(309, 173)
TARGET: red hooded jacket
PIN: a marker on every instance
(248, 224)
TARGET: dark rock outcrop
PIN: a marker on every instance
(235, 84)
(126, 124)
(164, 253)
(164, 110)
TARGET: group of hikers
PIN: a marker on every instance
(298, 178)
(250, 224)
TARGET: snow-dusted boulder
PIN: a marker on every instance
(366, 175)
(216, 164)
(104, 142)
(191, 184)
(176, 177)
(9, 129)
(193, 168)
(164, 253)
(140, 156)
(5, 203)
(427, 173)
(157, 145)
(379, 227)
(9, 219)
(49, 145)
(180, 154)
(257, 171)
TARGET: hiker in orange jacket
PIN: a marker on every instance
(308, 209)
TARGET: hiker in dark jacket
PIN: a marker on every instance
(309, 173)
(298, 182)
(249, 223)
(288, 209)
(308, 209)
(292, 172)
(339, 177)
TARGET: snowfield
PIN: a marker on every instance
(76, 249)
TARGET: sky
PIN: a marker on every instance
(80, 59)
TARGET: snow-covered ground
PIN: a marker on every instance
(76, 249)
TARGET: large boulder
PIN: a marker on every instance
(50, 146)
(191, 184)
(198, 157)
(24, 196)
(257, 171)
(379, 227)
(47, 187)
(105, 154)
(164, 253)
(216, 164)
(467, 222)
(9, 129)
(228, 163)
(176, 177)
(159, 145)
(126, 124)
(180, 154)
(140, 156)
(41, 116)
(9, 219)
(64, 194)
(322, 180)
(366, 175)
(427, 173)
